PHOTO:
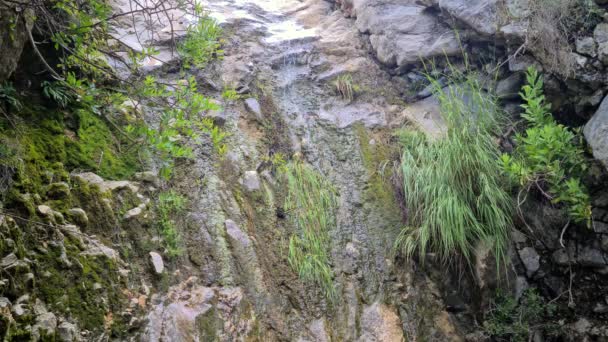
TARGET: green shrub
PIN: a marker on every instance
(512, 320)
(548, 156)
(202, 42)
(169, 205)
(453, 189)
(311, 203)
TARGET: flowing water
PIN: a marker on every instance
(236, 283)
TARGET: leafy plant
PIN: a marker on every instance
(202, 42)
(181, 103)
(512, 320)
(453, 190)
(58, 92)
(548, 156)
(217, 135)
(9, 95)
(230, 94)
(169, 205)
(311, 204)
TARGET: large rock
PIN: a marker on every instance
(600, 34)
(404, 33)
(480, 15)
(16, 24)
(596, 133)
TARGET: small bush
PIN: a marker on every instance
(311, 203)
(510, 320)
(548, 156)
(202, 42)
(452, 187)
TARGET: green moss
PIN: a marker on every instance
(98, 148)
(47, 144)
(377, 160)
(71, 291)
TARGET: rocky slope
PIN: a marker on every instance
(91, 267)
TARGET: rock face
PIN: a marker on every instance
(596, 133)
(379, 323)
(192, 312)
(17, 21)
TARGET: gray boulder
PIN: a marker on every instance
(596, 133)
(404, 33)
(600, 34)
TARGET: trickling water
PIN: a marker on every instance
(297, 49)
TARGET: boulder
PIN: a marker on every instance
(596, 133)
(157, 262)
(404, 33)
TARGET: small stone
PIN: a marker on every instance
(586, 46)
(58, 217)
(148, 177)
(582, 326)
(531, 260)
(591, 257)
(600, 35)
(59, 190)
(236, 234)
(509, 87)
(19, 310)
(39, 307)
(157, 262)
(521, 285)
(251, 181)
(79, 216)
(97, 286)
(45, 211)
(253, 106)
(5, 303)
(88, 177)
(135, 212)
(561, 257)
(45, 325)
(600, 308)
(67, 332)
(9, 260)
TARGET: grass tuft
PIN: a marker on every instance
(311, 203)
(453, 186)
